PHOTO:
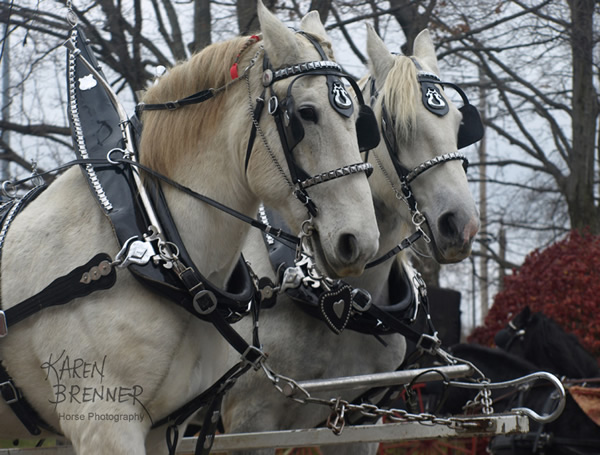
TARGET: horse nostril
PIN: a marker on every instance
(457, 228)
(447, 225)
(348, 249)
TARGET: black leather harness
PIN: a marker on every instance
(409, 295)
(113, 186)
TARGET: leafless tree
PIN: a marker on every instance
(535, 63)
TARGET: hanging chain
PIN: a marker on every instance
(262, 134)
(397, 192)
(486, 401)
(340, 408)
(417, 217)
(481, 403)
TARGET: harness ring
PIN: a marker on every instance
(116, 149)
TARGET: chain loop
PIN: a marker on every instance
(260, 132)
(71, 16)
(340, 407)
(336, 421)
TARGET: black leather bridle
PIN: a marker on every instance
(289, 126)
(470, 131)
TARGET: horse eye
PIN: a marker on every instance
(308, 113)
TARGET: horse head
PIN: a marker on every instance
(321, 135)
(540, 340)
(284, 131)
(422, 131)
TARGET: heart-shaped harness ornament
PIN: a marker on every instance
(335, 307)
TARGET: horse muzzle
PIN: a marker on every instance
(452, 237)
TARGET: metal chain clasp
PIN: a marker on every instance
(336, 421)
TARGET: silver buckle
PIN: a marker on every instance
(204, 302)
(361, 300)
(429, 343)
(3, 326)
(259, 361)
(14, 391)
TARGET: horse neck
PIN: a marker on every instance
(498, 365)
(212, 237)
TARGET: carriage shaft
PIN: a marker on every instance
(378, 379)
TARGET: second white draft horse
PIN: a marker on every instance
(419, 161)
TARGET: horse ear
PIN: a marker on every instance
(279, 41)
(380, 57)
(425, 51)
(311, 23)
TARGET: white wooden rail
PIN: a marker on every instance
(389, 432)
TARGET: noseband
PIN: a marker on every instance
(506, 337)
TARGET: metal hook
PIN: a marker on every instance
(418, 219)
(307, 227)
(36, 179)
(546, 418)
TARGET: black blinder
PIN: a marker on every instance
(433, 99)
(471, 127)
(339, 98)
(367, 130)
(294, 131)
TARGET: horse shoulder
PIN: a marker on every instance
(51, 236)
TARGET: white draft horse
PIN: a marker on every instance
(102, 368)
(303, 348)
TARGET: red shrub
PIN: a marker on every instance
(563, 282)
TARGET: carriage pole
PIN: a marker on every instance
(379, 379)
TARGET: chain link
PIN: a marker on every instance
(262, 134)
(486, 401)
(71, 16)
(483, 400)
(340, 408)
(343, 407)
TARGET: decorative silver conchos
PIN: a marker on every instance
(304, 68)
(267, 77)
